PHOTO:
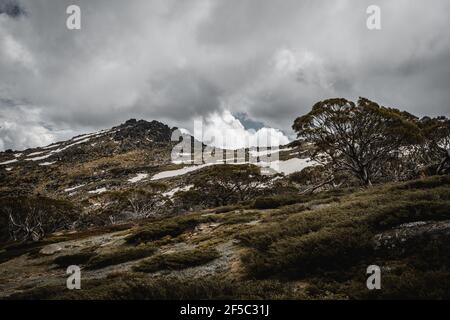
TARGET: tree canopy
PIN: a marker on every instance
(357, 138)
(435, 148)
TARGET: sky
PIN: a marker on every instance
(247, 64)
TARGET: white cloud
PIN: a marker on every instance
(223, 130)
(306, 66)
(14, 52)
(23, 135)
(23, 129)
(172, 60)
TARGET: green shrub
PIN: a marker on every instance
(223, 185)
(401, 212)
(277, 201)
(309, 175)
(428, 183)
(167, 227)
(226, 209)
(118, 257)
(17, 249)
(129, 287)
(315, 243)
(238, 218)
(178, 260)
(403, 284)
(280, 200)
(73, 259)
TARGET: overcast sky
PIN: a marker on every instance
(261, 62)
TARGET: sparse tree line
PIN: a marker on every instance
(32, 218)
(373, 143)
(223, 185)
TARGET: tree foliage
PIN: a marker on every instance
(32, 218)
(435, 149)
(135, 204)
(358, 138)
(221, 185)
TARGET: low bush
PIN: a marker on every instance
(73, 259)
(315, 243)
(167, 227)
(280, 200)
(226, 209)
(129, 287)
(276, 201)
(177, 260)
(120, 256)
(238, 218)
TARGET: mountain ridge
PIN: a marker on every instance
(89, 169)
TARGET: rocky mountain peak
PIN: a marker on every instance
(142, 129)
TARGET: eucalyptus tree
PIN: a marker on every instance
(357, 138)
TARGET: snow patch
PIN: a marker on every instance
(52, 152)
(85, 136)
(287, 167)
(35, 153)
(292, 165)
(139, 177)
(91, 135)
(71, 145)
(172, 192)
(39, 158)
(74, 188)
(8, 162)
(51, 146)
(266, 152)
(179, 172)
(98, 191)
(47, 163)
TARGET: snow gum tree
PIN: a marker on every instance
(357, 138)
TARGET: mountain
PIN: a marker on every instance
(109, 159)
(94, 159)
(94, 170)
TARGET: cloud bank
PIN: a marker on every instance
(224, 130)
(173, 61)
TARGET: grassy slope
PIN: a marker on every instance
(332, 247)
(316, 246)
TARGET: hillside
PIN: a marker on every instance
(307, 247)
(98, 174)
(141, 225)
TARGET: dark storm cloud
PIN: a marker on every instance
(247, 122)
(172, 60)
(11, 8)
